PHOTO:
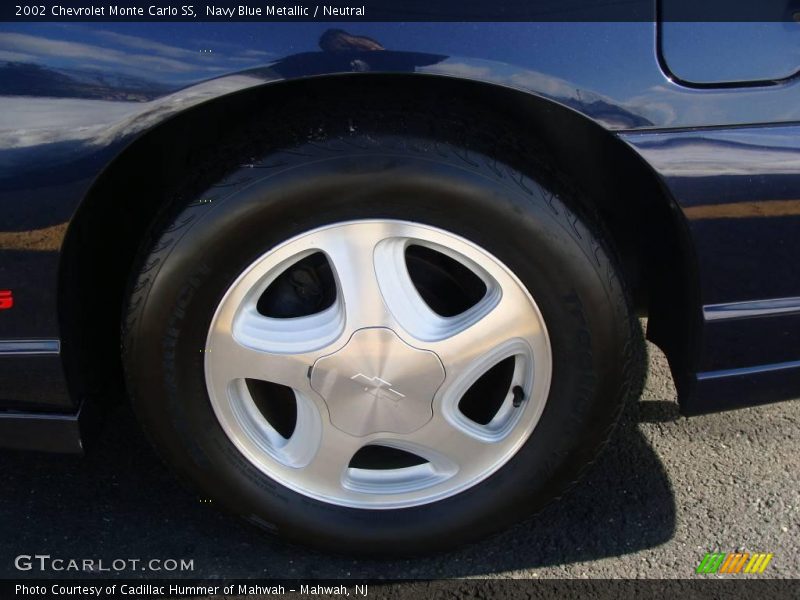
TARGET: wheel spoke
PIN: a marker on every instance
(448, 447)
(304, 443)
(479, 344)
(231, 360)
(328, 466)
(352, 257)
(298, 335)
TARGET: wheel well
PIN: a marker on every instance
(640, 217)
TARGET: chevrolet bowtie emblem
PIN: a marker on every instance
(376, 383)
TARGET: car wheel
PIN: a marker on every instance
(369, 343)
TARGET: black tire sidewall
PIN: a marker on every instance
(203, 250)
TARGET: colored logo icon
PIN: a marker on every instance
(734, 562)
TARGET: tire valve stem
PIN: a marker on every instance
(519, 396)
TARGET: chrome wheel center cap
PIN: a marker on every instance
(378, 383)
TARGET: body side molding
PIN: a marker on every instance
(755, 308)
(35, 347)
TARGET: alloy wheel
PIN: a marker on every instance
(378, 364)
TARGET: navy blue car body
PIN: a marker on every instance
(687, 136)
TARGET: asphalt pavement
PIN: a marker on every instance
(666, 491)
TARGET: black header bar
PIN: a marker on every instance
(400, 10)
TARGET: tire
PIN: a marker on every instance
(401, 178)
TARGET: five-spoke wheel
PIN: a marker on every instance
(369, 391)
